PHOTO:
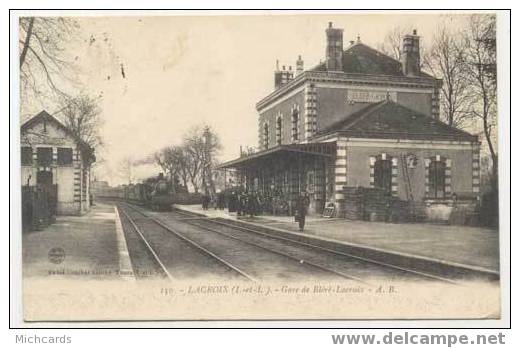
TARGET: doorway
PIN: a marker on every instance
(44, 178)
(383, 174)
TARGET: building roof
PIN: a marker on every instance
(315, 149)
(362, 59)
(388, 119)
(45, 116)
(359, 62)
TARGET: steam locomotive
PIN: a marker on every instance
(155, 193)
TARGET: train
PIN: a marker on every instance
(155, 193)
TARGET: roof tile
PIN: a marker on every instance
(362, 59)
(390, 119)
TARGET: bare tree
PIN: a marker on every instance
(445, 59)
(194, 161)
(202, 145)
(393, 42)
(82, 117)
(193, 145)
(480, 69)
(43, 62)
(172, 160)
(212, 147)
(193, 168)
(180, 156)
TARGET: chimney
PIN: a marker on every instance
(334, 51)
(411, 59)
(299, 65)
(281, 77)
(277, 75)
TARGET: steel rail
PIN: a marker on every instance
(298, 260)
(196, 245)
(379, 263)
(156, 257)
(293, 258)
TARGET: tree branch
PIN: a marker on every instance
(26, 41)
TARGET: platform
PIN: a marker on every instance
(87, 247)
(472, 247)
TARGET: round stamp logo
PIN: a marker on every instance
(56, 255)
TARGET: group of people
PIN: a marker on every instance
(253, 203)
(245, 203)
(219, 200)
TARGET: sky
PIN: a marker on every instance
(182, 71)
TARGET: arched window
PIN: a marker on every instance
(266, 136)
(279, 130)
(295, 120)
(437, 177)
(383, 173)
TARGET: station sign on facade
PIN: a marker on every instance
(369, 96)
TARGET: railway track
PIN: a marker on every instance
(145, 262)
(310, 260)
(261, 262)
(372, 267)
(156, 246)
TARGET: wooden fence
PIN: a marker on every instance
(38, 206)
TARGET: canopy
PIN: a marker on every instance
(324, 149)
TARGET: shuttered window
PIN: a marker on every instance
(266, 136)
(27, 156)
(437, 179)
(279, 130)
(44, 155)
(295, 120)
(64, 156)
(383, 175)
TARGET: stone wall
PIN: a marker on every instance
(283, 109)
(354, 166)
(459, 176)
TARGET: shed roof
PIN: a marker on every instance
(45, 116)
(325, 149)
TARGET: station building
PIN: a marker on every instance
(53, 159)
(359, 119)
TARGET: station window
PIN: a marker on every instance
(437, 178)
(44, 156)
(295, 118)
(383, 174)
(279, 130)
(266, 136)
(64, 156)
(27, 156)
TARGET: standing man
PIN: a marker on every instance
(231, 201)
(240, 202)
(205, 201)
(251, 204)
(301, 209)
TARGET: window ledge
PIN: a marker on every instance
(433, 201)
